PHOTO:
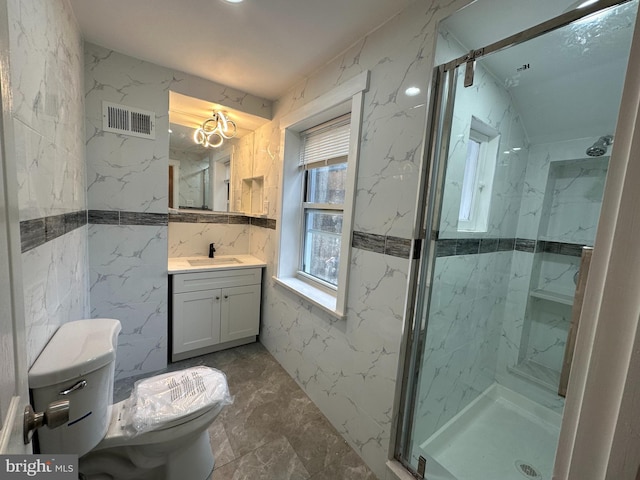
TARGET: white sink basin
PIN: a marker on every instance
(203, 262)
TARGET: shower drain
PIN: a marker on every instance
(527, 470)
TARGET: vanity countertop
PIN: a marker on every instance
(206, 264)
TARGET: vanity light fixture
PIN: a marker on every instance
(214, 130)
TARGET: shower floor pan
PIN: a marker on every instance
(501, 435)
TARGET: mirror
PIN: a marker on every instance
(199, 178)
(203, 178)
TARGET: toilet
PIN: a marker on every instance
(159, 432)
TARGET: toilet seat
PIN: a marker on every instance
(173, 398)
(189, 413)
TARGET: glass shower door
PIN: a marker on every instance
(519, 168)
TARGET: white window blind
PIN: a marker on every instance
(326, 142)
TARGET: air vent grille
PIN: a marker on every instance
(118, 118)
(140, 123)
(128, 121)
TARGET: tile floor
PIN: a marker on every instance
(272, 431)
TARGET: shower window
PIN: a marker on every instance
(469, 186)
(479, 168)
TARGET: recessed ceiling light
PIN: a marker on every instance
(577, 4)
(412, 91)
(233, 1)
(517, 149)
(587, 3)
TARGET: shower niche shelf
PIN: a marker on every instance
(552, 296)
(542, 344)
(253, 196)
(534, 372)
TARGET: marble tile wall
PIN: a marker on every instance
(546, 336)
(243, 165)
(348, 367)
(47, 115)
(55, 278)
(129, 282)
(128, 262)
(536, 180)
(560, 208)
(191, 233)
(574, 206)
(468, 300)
(193, 239)
(129, 174)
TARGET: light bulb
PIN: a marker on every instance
(199, 136)
(214, 140)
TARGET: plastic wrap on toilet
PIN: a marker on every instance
(163, 400)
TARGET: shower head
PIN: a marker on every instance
(600, 147)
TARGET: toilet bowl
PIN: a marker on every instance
(159, 432)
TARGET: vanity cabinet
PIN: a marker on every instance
(214, 310)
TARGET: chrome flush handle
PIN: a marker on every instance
(78, 386)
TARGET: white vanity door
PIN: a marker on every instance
(240, 312)
(196, 320)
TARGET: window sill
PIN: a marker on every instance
(313, 295)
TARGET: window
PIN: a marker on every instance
(318, 191)
(324, 158)
(477, 182)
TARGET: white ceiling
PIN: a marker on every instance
(262, 47)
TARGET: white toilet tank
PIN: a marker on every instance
(78, 365)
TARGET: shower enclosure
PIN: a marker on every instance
(522, 133)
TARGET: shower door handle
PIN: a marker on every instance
(578, 300)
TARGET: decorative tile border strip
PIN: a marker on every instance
(116, 217)
(269, 223)
(239, 220)
(39, 231)
(386, 245)
(571, 249)
(448, 247)
(222, 218)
